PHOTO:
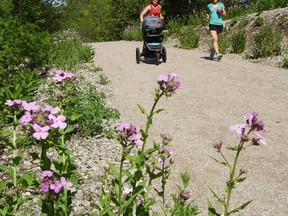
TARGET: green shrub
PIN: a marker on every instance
(68, 51)
(234, 21)
(265, 5)
(285, 63)
(174, 26)
(20, 41)
(271, 4)
(267, 42)
(238, 41)
(17, 83)
(223, 42)
(259, 21)
(243, 23)
(188, 38)
(133, 33)
(103, 80)
(197, 19)
(85, 107)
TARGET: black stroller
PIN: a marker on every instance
(152, 27)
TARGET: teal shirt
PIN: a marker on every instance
(215, 17)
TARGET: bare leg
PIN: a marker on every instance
(215, 37)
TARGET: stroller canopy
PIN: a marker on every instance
(152, 22)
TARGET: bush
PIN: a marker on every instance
(259, 21)
(238, 41)
(174, 26)
(17, 83)
(267, 42)
(271, 4)
(20, 41)
(197, 19)
(265, 5)
(243, 23)
(132, 33)
(285, 63)
(68, 50)
(85, 107)
(223, 42)
(188, 38)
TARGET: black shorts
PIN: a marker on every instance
(217, 28)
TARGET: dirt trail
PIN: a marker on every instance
(214, 95)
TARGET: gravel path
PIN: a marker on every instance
(214, 96)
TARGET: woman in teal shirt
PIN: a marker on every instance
(216, 10)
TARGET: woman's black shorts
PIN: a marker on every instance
(217, 28)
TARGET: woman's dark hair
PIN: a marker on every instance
(151, 2)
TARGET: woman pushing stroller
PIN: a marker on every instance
(153, 9)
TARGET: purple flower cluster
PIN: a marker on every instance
(50, 184)
(251, 123)
(169, 83)
(164, 153)
(61, 75)
(131, 133)
(39, 119)
(14, 103)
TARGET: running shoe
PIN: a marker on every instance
(219, 56)
(212, 52)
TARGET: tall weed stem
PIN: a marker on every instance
(14, 152)
(149, 119)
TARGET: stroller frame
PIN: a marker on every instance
(153, 47)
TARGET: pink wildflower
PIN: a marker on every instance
(66, 184)
(44, 187)
(56, 186)
(240, 129)
(30, 106)
(9, 103)
(58, 122)
(47, 173)
(40, 132)
(169, 83)
(26, 118)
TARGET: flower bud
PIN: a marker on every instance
(184, 195)
(218, 146)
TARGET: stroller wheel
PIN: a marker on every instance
(137, 55)
(164, 54)
(157, 58)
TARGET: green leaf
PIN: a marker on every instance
(7, 142)
(212, 210)
(130, 200)
(69, 129)
(7, 170)
(235, 148)
(220, 162)
(4, 210)
(142, 110)
(240, 207)
(17, 160)
(221, 201)
(136, 159)
(240, 179)
(158, 111)
(114, 169)
(34, 156)
(3, 185)
(75, 117)
(28, 179)
(115, 184)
